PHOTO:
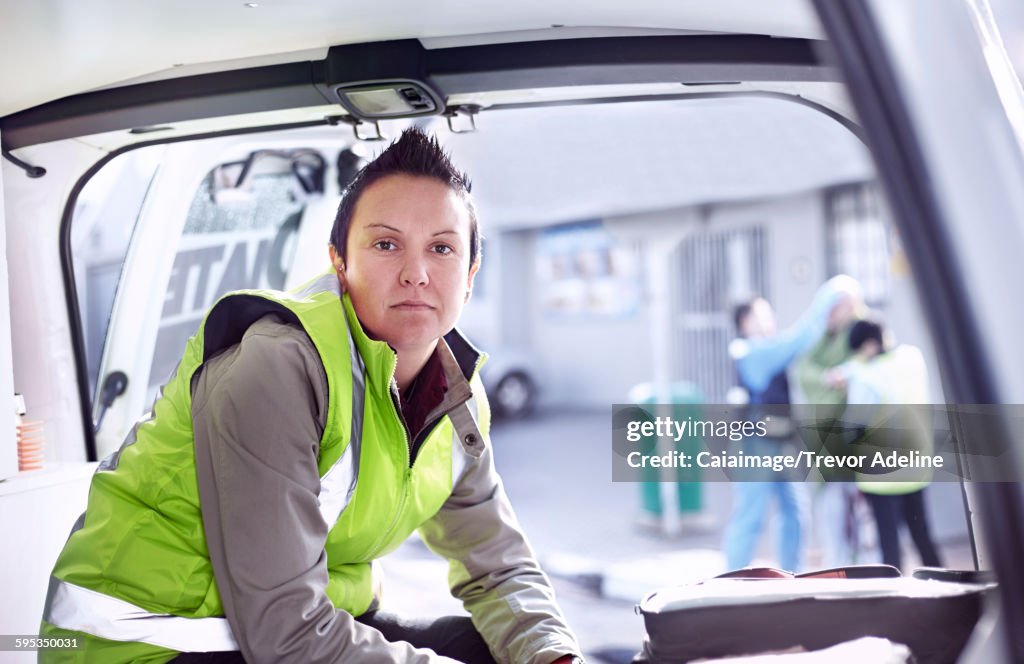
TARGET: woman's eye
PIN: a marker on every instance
(384, 245)
(443, 249)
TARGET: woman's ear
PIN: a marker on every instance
(338, 264)
(336, 261)
(472, 275)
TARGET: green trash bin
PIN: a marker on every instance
(686, 400)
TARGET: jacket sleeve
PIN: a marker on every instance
(763, 358)
(493, 571)
(829, 352)
(258, 410)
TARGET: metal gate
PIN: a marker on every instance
(717, 271)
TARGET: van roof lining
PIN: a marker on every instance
(692, 59)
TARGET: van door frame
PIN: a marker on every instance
(861, 41)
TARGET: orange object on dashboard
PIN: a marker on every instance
(30, 438)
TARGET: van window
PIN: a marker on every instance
(737, 197)
(103, 221)
(239, 233)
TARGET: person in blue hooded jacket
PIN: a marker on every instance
(762, 355)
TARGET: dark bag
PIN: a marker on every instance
(741, 616)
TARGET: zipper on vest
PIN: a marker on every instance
(406, 474)
(395, 398)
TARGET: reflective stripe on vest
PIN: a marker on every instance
(79, 609)
(338, 484)
(83, 610)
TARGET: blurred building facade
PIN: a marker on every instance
(592, 339)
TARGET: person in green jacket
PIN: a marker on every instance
(303, 436)
(822, 405)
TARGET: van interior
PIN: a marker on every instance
(639, 171)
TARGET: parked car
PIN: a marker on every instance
(509, 377)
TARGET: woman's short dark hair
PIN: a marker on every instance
(414, 153)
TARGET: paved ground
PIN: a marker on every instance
(583, 526)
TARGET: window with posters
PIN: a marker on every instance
(583, 271)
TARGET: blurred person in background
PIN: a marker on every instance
(883, 384)
(762, 355)
(835, 517)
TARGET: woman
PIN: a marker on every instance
(303, 436)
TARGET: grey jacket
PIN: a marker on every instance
(258, 410)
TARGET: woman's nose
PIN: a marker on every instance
(414, 272)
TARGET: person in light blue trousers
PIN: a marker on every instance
(762, 354)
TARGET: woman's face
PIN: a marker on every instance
(407, 269)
